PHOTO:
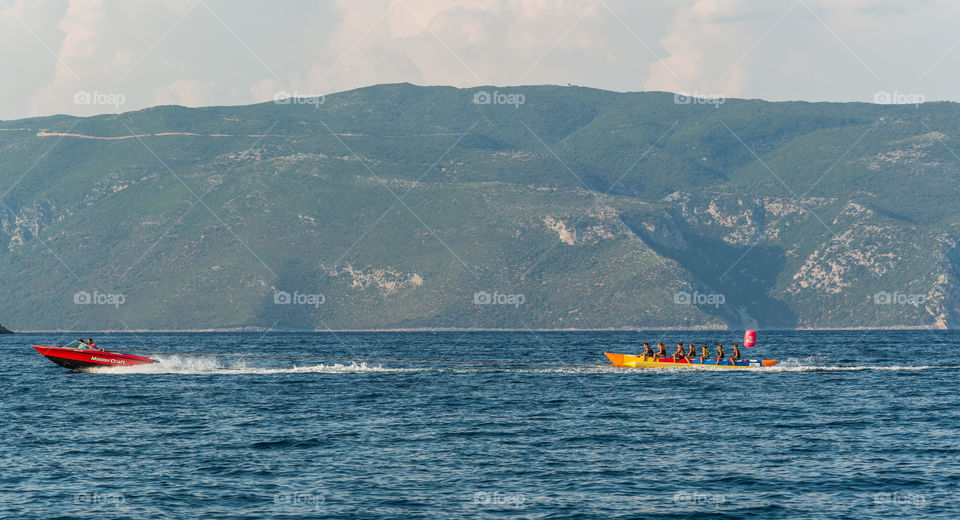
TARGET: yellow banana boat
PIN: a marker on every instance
(632, 361)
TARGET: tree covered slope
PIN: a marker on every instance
(397, 206)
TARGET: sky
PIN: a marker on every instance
(85, 57)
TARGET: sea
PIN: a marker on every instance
(849, 424)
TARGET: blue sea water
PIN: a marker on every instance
(854, 424)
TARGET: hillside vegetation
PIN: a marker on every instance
(398, 206)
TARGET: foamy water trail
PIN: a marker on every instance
(206, 365)
(894, 368)
(209, 365)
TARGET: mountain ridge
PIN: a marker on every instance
(399, 204)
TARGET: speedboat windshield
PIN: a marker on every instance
(75, 344)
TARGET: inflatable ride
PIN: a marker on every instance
(633, 361)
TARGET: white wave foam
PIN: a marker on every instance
(210, 365)
(194, 365)
(823, 364)
(827, 368)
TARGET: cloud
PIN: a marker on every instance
(705, 47)
(78, 49)
(96, 48)
(193, 94)
(467, 43)
(807, 49)
(236, 52)
(28, 43)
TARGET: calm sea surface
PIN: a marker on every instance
(849, 425)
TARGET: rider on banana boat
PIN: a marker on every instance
(704, 353)
(719, 354)
(736, 353)
(661, 351)
(647, 352)
(680, 353)
(692, 352)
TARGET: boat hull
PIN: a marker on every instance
(83, 360)
(632, 361)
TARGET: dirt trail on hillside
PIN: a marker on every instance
(44, 133)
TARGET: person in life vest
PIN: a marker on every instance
(704, 354)
(91, 344)
(679, 354)
(661, 351)
(719, 354)
(736, 353)
(691, 352)
(647, 352)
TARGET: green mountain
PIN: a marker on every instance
(398, 206)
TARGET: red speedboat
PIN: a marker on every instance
(77, 355)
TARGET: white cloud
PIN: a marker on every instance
(265, 89)
(191, 93)
(77, 51)
(98, 44)
(234, 52)
(28, 43)
(704, 47)
(808, 49)
(475, 42)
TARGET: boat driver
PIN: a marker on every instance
(92, 345)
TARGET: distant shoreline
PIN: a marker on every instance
(253, 330)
